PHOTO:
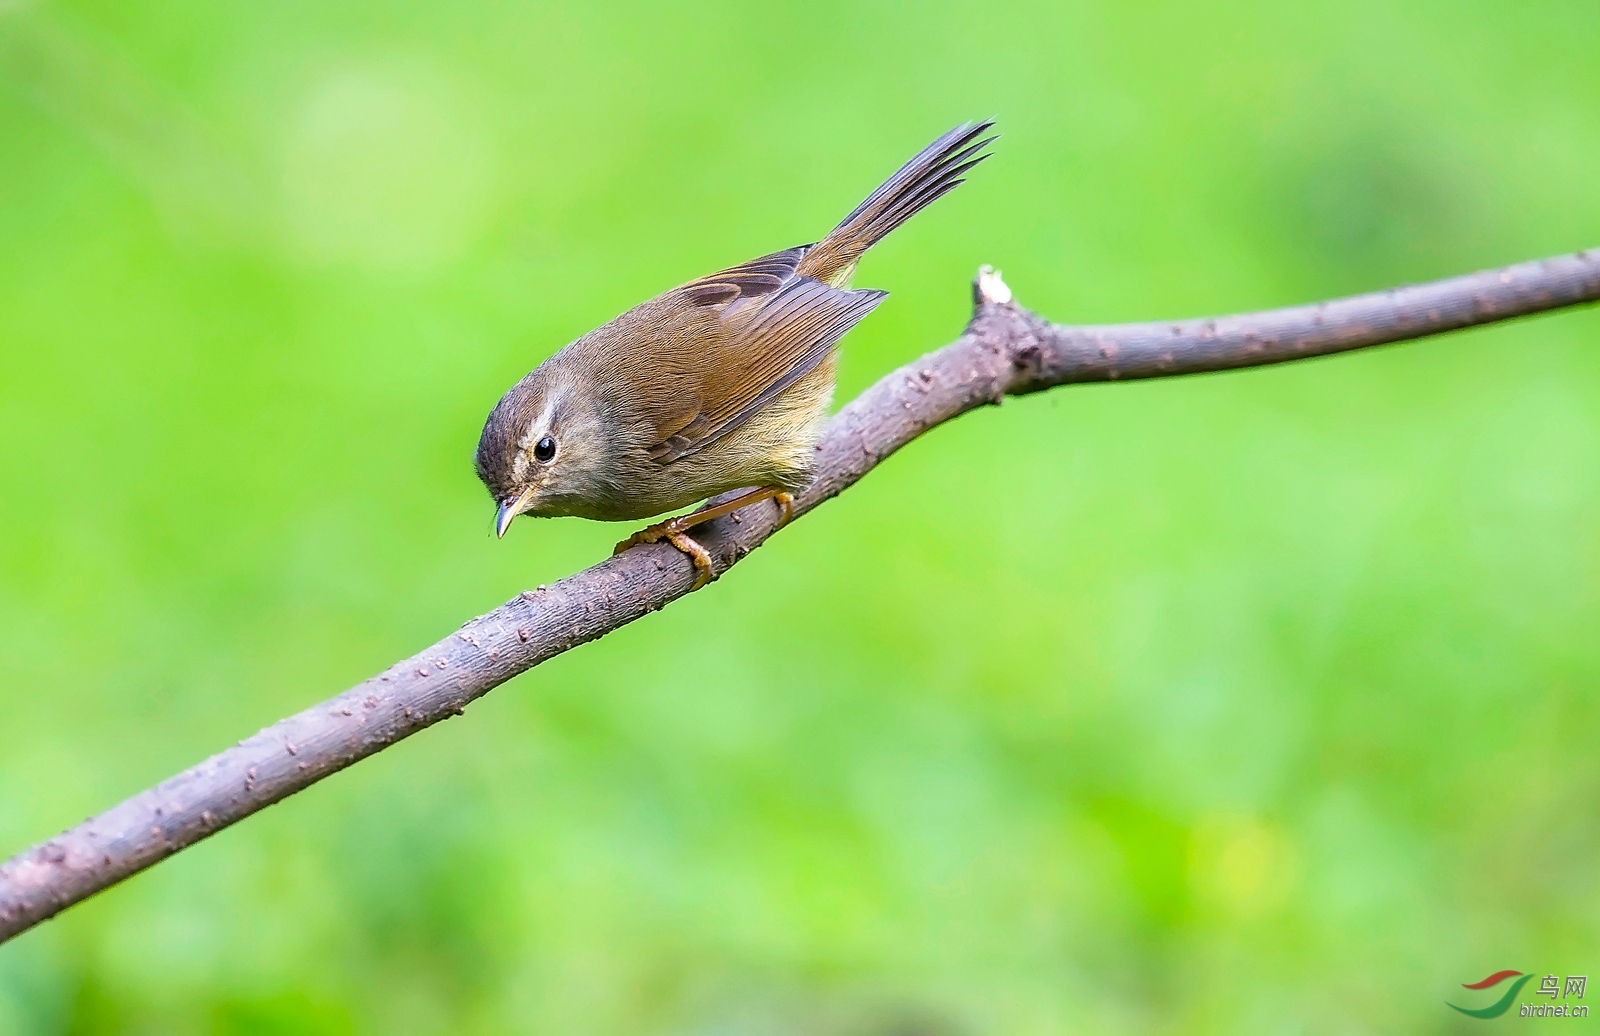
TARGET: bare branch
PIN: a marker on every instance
(1005, 351)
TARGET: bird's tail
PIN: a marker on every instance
(937, 169)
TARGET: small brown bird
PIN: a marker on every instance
(720, 384)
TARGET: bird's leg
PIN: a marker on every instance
(684, 522)
(674, 530)
(743, 500)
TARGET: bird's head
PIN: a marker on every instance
(543, 447)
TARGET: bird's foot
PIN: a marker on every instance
(671, 530)
(698, 554)
(674, 530)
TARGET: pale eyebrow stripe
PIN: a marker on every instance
(539, 426)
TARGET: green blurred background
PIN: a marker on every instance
(1256, 703)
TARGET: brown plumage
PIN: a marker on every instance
(716, 385)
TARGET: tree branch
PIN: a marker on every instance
(1005, 351)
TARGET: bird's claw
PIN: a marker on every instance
(671, 533)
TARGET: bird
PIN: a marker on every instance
(720, 384)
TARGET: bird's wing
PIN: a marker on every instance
(760, 276)
(749, 332)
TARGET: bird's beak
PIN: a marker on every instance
(508, 511)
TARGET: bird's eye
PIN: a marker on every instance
(544, 450)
